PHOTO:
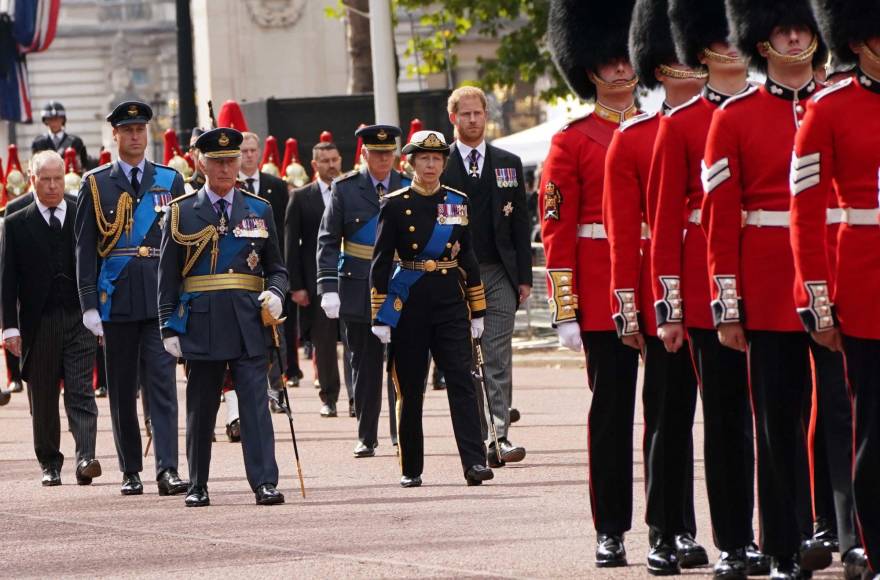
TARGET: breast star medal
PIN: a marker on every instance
(223, 228)
(507, 209)
(253, 260)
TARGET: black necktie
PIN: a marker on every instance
(250, 184)
(54, 222)
(380, 189)
(221, 208)
(474, 164)
(135, 183)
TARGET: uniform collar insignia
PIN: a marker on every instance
(783, 92)
(714, 97)
(867, 81)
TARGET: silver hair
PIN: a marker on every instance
(42, 158)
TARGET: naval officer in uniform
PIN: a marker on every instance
(220, 266)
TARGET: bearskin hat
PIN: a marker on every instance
(583, 34)
(695, 25)
(752, 22)
(650, 40)
(845, 21)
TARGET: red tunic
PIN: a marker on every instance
(747, 161)
(578, 267)
(839, 145)
(625, 209)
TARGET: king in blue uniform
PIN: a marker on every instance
(220, 266)
(117, 225)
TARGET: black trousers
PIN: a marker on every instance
(126, 344)
(102, 367)
(863, 371)
(291, 338)
(779, 369)
(415, 339)
(832, 445)
(612, 371)
(367, 357)
(204, 381)
(669, 398)
(728, 438)
(63, 349)
(325, 335)
(13, 366)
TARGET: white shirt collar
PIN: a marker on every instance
(465, 150)
(57, 136)
(126, 168)
(213, 197)
(255, 176)
(44, 209)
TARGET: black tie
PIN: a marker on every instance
(380, 189)
(54, 222)
(135, 184)
(221, 208)
(474, 164)
(250, 184)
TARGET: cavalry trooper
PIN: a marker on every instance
(345, 248)
(220, 265)
(118, 215)
(422, 311)
(837, 153)
(751, 268)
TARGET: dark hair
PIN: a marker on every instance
(323, 146)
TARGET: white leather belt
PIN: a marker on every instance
(592, 231)
(834, 216)
(860, 217)
(696, 216)
(646, 231)
(766, 218)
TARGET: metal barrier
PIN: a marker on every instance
(535, 317)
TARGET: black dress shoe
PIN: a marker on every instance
(233, 431)
(197, 497)
(477, 474)
(169, 483)
(757, 562)
(266, 494)
(87, 470)
(101, 391)
(663, 556)
(511, 453)
(610, 551)
(274, 402)
(514, 414)
(826, 530)
(855, 564)
(492, 457)
(131, 484)
(786, 569)
(690, 553)
(364, 450)
(51, 477)
(15, 387)
(328, 410)
(732, 565)
(815, 555)
(407, 481)
(5, 396)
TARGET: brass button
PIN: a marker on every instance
(448, 244)
(412, 228)
(443, 271)
(415, 246)
(408, 212)
(405, 196)
(357, 220)
(231, 271)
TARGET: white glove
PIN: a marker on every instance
(274, 302)
(92, 321)
(477, 325)
(172, 346)
(382, 332)
(330, 304)
(570, 336)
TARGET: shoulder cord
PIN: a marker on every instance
(196, 243)
(111, 232)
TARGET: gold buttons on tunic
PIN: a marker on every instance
(405, 196)
(412, 228)
(443, 271)
(448, 244)
(415, 246)
(408, 212)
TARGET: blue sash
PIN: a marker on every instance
(144, 218)
(402, 280)
(228, 248)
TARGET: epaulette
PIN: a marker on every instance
(163, 165)
(690, 103)
(98, 169)
(575, 120)
(453, 190)
(254, 195)
(397, 192)
(636, 120)
(348, 175)
(737, 98)
(182, 197)
(832, 89)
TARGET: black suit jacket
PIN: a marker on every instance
(274, 190)
(302, 221)
(18, 203)
(26, 280)
(510, 222)
(44, 142)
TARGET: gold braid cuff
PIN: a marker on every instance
(196, 243)
(111, 232)
(805, 56)
(563, 301)
(675, 73)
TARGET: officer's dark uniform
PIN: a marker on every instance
(47, 142)
(429, 302)
(211, 272)
(348, 231)
(117, 251)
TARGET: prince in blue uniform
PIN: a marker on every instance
(117, 229)
(220, 265)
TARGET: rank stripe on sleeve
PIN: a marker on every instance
(805, 172)
(714, 176)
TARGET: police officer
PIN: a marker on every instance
(117, 250)
(57, 138)
(349, 228)
(220, 265)
(423, 312)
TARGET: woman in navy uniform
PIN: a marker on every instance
(430, 305)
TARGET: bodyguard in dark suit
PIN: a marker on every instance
(348, 229)
(304, 212)
(493, 180)
(57, 138)
(220, 265)
(42, 321)
(119, 209)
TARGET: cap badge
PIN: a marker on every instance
(223, 140)
(381, 135)
(132, 111)
(432, 142)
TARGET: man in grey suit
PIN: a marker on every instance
(42, 323)
(220, 265)
(118, 212)
(348, 229)
(493, 180)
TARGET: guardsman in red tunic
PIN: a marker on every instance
(669, 393)
(681, 283)
(751, 269)
(588, 43)
(837, 149)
